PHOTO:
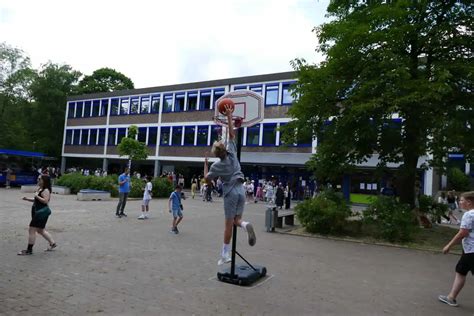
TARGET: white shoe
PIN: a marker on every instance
(224, 259)
(146, 216)
(141, 217)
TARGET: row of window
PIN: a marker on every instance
(199, 100)
(266, 134)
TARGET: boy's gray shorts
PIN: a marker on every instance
(234, 201)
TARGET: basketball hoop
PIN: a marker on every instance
(222, 120)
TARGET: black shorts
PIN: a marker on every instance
(465, 264)
(39, 220)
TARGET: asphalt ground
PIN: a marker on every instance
(109, 266)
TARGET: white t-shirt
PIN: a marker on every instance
(467, 222)
(147, 193)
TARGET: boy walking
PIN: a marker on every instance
(466, 262)
(146, 198)
(175, 207)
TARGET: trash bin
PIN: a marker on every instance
(269, 218)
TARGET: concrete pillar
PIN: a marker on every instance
(63, 165)
(105, 164)
(428, 182)
(467, 169)
(156, 170)
(444, 182)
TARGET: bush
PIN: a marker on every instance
(390, 219)
(162, 187)
(458, 180)
(430, 207)
(325, 214)
(74, 181)
(77, 182)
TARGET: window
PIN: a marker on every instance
(205, 100)
(68, 140)
(179, 102)
(256, 89)
(269, 134)
(79, 106)
(121, 134)
(95, 108)
(271, 94)
(124, 103)
(84, 136)
(111, 138)
(286, 97)
(216, 132)
(165, 136)
(155, 104)
(114, 110)
(218, 93)
(192, 101)
(152, 134)
(167, 102)
(76, 137)
(134, 106)
(101, 139)
(240, 88)
(144, 105)
(70, 109)
(105, 107)
(253, 134)
(87, 108)
(202, 133)
(177, 134)
(142, 134)
(93, 137)
(189, 135)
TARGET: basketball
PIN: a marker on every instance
(222, 103)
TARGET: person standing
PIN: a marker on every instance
(279, 196)
(287, 197)
(452, 205)
(40, 212)
(466, 262)
(193, 187)
(228, 168)
(124, 189)
(176, 207)
(146, 198)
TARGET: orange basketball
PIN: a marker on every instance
(222, 103)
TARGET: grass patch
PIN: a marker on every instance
(433, 239)
(358, 198)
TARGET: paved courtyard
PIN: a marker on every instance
(110, 266)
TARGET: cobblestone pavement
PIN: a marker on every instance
(110, 266)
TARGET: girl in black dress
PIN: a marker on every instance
(39, 215)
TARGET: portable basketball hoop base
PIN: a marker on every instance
(250, 114)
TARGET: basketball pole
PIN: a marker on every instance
(234, 227)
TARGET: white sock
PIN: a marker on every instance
(244, 225)
(225, 249)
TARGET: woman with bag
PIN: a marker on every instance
(39, 215)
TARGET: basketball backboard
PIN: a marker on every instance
(249, 108)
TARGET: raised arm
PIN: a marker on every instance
(230, 123)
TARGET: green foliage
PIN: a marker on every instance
(430, 207)
(411, 58)
(325, 214)
(105, 80)
(391, 220)
(76, 182)
(162, 187)
(136, 187)
(131, 147)
(458, 180)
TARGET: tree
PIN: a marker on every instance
(104, 80)
(131, 147)
(411, 59)
(49, 92)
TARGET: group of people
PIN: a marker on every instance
(451, 200)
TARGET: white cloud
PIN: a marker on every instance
(165, 42)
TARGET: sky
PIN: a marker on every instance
(161, 42)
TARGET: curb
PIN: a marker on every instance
(291, 233)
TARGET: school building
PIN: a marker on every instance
(176, 123)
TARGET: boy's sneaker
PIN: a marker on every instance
(224, 259)
(447, 300)
(176, 231)
(118, 215)
(123, 214)
(173, 231)
(251, 235)
(141, 217)
(146, 216)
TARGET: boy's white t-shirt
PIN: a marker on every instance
(467, 222)
(147, 193)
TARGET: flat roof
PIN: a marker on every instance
(191, 85)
